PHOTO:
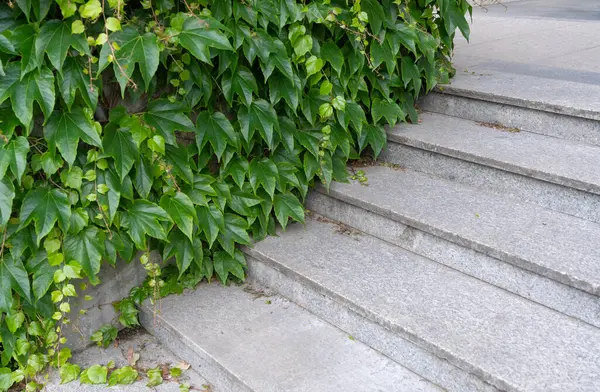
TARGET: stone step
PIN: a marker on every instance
(461, 333)
(530, 285)
(246, 339)
(555, 173)
(552, 107)
(554, 245)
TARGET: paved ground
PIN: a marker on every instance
(151, 355)
(553, 39)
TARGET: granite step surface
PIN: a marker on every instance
(540, 289)
(555, 245)
(249, 339)
(555, 173)
(461, 333)
(553, 107)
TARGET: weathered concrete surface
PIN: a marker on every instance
(508, 342)
(116, 282)
(548, 195)
(532, 120)
(152, 355)
(555, 245)
(568, 163)
(545, 291)
(242, 340)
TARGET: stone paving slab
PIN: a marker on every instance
(246, 339)
(552, 244)
(152, 355)
(508, 341)
(560, 161)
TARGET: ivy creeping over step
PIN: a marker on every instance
(186, 127)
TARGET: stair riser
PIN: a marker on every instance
(532, 120)
(370, 329)
(549, 195)
(220, 377)
(548, 292)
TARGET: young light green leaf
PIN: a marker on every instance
(69, 372)
(113, 24)
(155, 377)
(95, 374)
(123, 376)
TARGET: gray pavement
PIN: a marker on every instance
(554, 39)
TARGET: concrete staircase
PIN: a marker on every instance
(470, 262)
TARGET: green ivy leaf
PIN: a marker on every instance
(55, 39)
(34, 87)
(197, 36)
(333, 55)
(390, 110)
(181, 210)
(69, 372)
(242, 83)
(184, 250)
(95, 374)
(23, 38)
(226, 263)
(73, 79)
(143, 218)
(7, 195)
(211, 221)
(410, 72)
(14, 156)
(13, 275)
(119, 145)
(217, 130)
(313, 65)
(64, 130)
(123, 376)
(143, 177)
(6, 380)
(288, 206)
(168, 117)
(45, 207)
(235, 231)
(155, 377)
(260, 117)
(86, 248)
(14, 322)
(134, 48)
(376, 14)
(263, 172)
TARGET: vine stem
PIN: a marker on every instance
(3, 241)
(112, 50)
(110, 235)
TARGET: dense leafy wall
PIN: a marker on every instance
(185, 126)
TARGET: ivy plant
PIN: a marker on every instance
(187, 127)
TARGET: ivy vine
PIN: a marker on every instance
(187, 127)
